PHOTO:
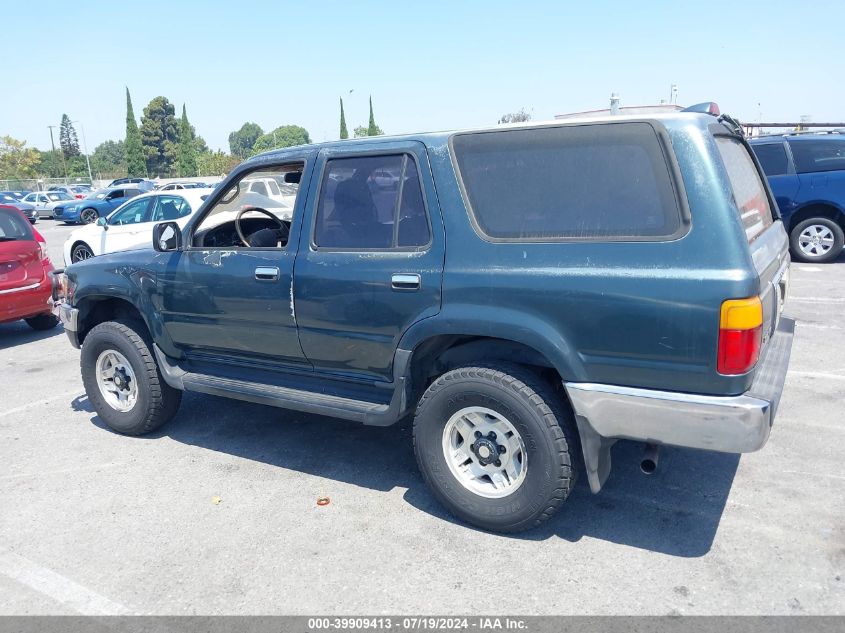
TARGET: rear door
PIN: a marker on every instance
(820, 163)
(775, 160)
(370, 258)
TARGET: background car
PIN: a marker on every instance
(46, 201)
(17, 195)
(141, 183)
(174, 186)
(807, 175)
(131, 225)
(27, 209)
(98, 204)
(76, 191)
(25, 284)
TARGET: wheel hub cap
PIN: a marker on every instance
(116, 380)
(485, 452)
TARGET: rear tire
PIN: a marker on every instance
(123, 349)
(526, 419)
(42, 322)
(816, 240)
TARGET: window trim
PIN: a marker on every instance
(373, 153)
(190, 230)
(676, 182)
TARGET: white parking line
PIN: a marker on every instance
(38, 403)
(817, 374)
(816, 299)
(64, 590)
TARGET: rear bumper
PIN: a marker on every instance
(25, 302)
(730, 424)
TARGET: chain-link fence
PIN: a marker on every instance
(42, 184)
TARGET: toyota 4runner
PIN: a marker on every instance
(530, 294)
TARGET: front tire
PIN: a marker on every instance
(88, 216)
(816, 240)
(122, 379)
(495, 446)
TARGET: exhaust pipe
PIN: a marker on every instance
(650, 458)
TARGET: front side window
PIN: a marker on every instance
(170, 208)
(249, 217)
(824, 154)
(578, 182)
(359, 208)
(747, 187)
(772, 157)
(133, 213)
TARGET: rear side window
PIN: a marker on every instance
(818, 155)
(748, 191)
(14, 227)
(595, 182)
(772, 157)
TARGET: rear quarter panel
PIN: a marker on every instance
(643, 314)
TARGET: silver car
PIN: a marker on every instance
(46, 201)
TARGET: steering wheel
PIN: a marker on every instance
(241, 213)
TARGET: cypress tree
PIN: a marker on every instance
(372, 128)
(344, 133)
(135, 163)
(187, 149)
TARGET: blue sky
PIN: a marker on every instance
(429, 65)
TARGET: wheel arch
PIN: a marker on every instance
(823, 209)
(79, 242)
(96, 309)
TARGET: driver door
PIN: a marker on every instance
(227, 298)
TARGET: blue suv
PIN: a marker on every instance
(807, 175)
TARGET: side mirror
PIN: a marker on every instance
(101, 221)
(167, 237)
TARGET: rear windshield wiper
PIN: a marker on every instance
(8, 239)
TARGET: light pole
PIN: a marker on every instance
(53, 145)
(85, 147)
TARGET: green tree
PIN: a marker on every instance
(372, 128)
(282, 136)
(109, 159)
(187, 147)
(344, 133)
(215, 163)
(516, 117)
(68, 140)
(360, 132)
(160, 136)
(51, 164)
(241, 141)
(17, 160)
(133, 147)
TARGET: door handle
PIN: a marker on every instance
(404, 281)
(267, 273)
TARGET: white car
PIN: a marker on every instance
(130, 226)
(46, 201)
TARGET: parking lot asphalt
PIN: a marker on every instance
(216, 513)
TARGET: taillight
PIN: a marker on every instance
(740, 335)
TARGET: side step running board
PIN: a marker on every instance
(295, 399)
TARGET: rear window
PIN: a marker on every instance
(598, 182)
(818, 155)
(772, 157)
(748, 191)
(14, 227)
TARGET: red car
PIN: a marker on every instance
(25, 284)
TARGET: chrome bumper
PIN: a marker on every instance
(730, 424)
(69, 317)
